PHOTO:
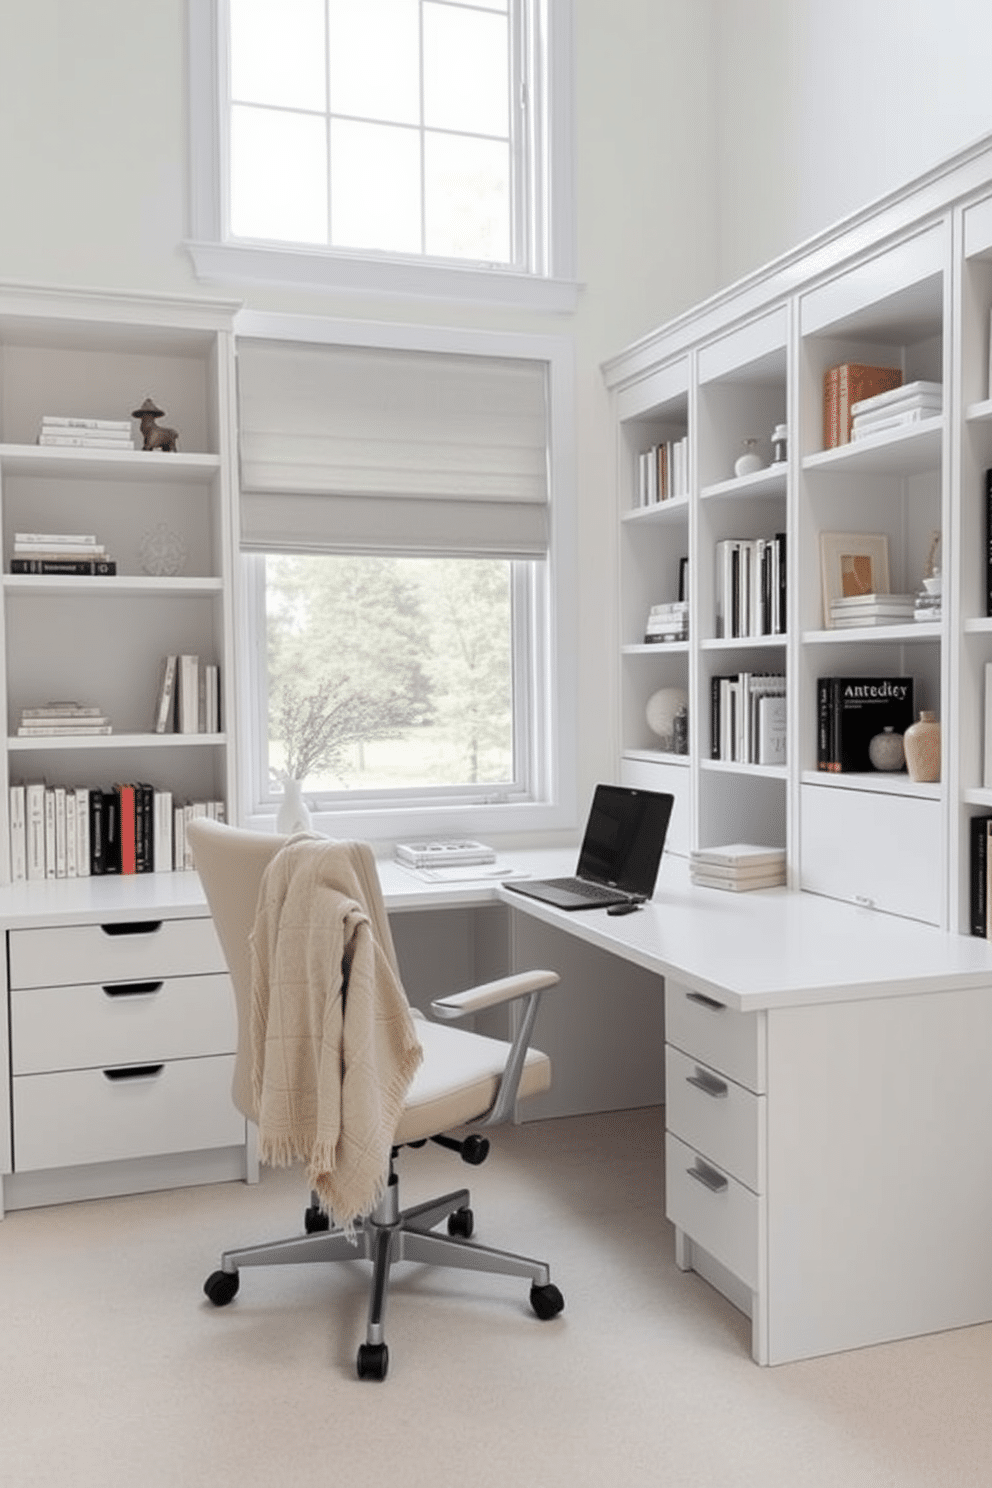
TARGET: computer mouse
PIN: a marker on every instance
(622, 908)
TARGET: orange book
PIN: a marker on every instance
(830, 433)
(128, 838)
(855, 381)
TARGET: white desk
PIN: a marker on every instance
(829, 1109)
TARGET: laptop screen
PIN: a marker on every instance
(624, 838)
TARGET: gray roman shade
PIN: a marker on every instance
(351, 449)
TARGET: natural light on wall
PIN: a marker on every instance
(383, 127)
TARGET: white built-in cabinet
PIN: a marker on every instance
(909, 284)
(117, 1028)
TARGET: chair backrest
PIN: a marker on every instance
(231, 863)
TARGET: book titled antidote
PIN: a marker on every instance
(852, 711)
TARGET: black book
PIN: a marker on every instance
(111, 815)
(862, 707)
(98, 857)
(99, 566)
(978, 829)
(824, 705)
(780, 597)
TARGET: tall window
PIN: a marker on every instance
(430, 133)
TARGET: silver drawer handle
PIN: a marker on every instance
(133, 989)
(134, 1072)
(708, 1177)
(707, 1083)
(710, 1003)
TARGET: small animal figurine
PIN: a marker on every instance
(155, 438)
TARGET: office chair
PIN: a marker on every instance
(464, 1078)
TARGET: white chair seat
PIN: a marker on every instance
(458, 1080)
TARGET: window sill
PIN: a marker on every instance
(312, 269)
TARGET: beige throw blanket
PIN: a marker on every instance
(334, 1046)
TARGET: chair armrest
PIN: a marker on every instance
(526, 985)
(492, 994)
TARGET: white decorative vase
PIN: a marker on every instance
(886, 750)
(660, 712)
(293, 814)
(750, 461)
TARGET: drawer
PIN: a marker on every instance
(61, 1028)
(124, 951)
(873, 849)
(95, 1116)
(713, 1209)
(719, 1118)
(728, 1041)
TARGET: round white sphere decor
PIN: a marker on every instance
(661, 709)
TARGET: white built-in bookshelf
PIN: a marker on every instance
(907, 283)
(100, 640)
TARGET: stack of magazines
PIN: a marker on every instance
(443, 852)
(86, 433)
(52, 720)
(908, 404)
(738, 866)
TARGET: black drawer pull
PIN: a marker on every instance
(132, 927)
(710, 1003)
(134, 989)
(708, 1177)
(134, 1072)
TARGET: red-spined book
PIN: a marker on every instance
(855, 381)
(125, 794)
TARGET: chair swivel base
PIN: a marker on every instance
(387, 1236)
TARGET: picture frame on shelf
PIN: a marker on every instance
(852, 563)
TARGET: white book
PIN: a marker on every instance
(18, 835)
(771, 730)
(61, 869)
(894, 421)
(211, 693)
(162, 833)
(178, 837)
(737, 853)
(34, 813)
(55, 421)
(86, 441)
(55, 539)
(82, 832)
(987, 774)
(188, 693)
(59, 550)
(70, 833)
(871, 601)
(738, 885)
(62, 710)
(50, 859)
(917, 389)
(165, 710)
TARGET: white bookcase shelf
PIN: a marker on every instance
(907, 285)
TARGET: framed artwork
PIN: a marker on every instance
(852, 564)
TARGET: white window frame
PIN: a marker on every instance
(548, 286)
(548, 711)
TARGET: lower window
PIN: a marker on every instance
(393, 681)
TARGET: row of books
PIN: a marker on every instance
(738, 867)
(750, 586)
(78, 832)
(748, 718)
(663, 471)
(60, 553)
(667, 622)
(844, 386)
(907, 404)
(188, 698)
(980, 901)
(85, 433)
(852, 712)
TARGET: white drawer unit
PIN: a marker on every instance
(122, 1040)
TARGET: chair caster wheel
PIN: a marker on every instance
(221, 1287)
(373, 1361)
(461, 1224)
(315, 1220)
(547, 1301)
(475, 1150)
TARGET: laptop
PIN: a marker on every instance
(620, 853)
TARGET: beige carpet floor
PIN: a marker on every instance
(114, 1370)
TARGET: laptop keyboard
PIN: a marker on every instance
(585, 890)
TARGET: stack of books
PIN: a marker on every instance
(52, 720)
(60, 553)
(668, 622)
(443, 852)
(846, 385)
(871, 609)
(738, 866)
(86, 433)
(908, 404)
